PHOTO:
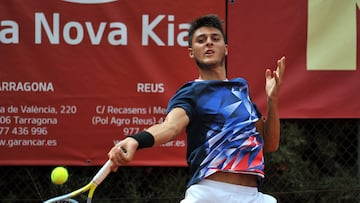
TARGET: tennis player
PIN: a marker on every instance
(226, 133)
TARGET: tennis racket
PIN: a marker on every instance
(98, 178)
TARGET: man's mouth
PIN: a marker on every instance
(208, 52)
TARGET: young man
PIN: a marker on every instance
(226, 134)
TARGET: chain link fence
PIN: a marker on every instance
(318, 161)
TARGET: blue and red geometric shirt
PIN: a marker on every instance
(221, 135)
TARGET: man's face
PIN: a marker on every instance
(208, 48)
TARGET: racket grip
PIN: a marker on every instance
(103, 172)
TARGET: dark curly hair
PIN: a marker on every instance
(205, 21)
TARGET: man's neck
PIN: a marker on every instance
(218, 73)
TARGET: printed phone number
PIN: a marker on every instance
(23, 131)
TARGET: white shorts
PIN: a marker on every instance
(209, 191)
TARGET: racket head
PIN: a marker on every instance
(98, 178)
(68, 196)
(69, 201)
(91, 192)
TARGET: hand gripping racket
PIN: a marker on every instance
(98, 178)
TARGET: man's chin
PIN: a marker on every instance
(206, 65)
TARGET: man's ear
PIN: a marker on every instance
(191, 53)
(226, 50)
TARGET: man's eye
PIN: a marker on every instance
(201, 40)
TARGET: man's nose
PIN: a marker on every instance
(209, 42)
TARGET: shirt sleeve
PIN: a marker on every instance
(183, 98)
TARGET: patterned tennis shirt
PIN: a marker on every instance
(221, 135)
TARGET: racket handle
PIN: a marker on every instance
(103, 172)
